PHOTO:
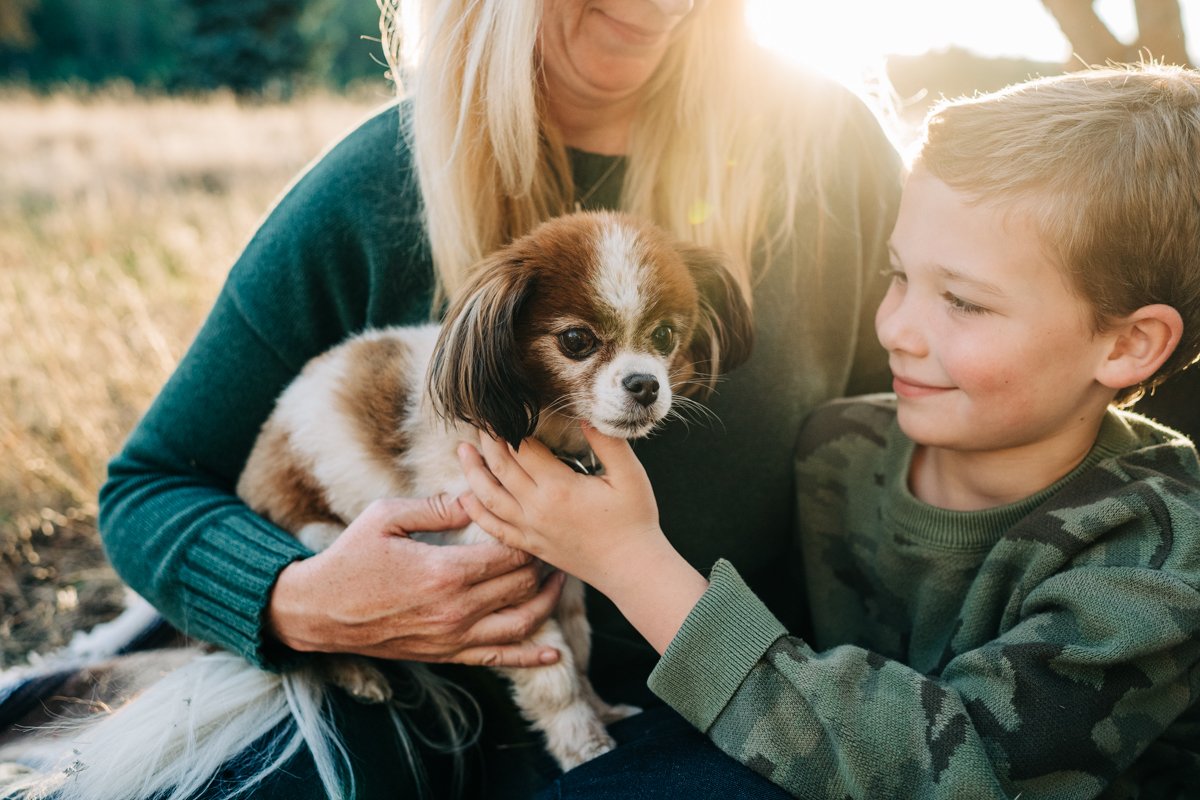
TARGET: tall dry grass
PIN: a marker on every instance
(119, 216)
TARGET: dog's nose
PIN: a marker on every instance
(644, 388)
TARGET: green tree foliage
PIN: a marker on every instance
(96, 40)
(248, 45)
(343, 40)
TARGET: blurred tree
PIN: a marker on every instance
(15, 30)
(955, 72)
(1160, 32)
(94, 41)
(250, 45)
(247, 45)
(343, 38)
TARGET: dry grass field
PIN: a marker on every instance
(119, 216)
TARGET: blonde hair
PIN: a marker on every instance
(1106, 163)
(720, 154)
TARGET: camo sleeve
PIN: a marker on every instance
(1056, 709)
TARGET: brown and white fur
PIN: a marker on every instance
(592, 316)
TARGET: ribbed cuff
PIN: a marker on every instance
(722, 639)
(229, 575)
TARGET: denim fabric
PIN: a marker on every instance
(661, 757)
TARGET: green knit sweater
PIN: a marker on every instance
(344, 249)
(1045, 649)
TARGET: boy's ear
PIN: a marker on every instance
(1141, 342)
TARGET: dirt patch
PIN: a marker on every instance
(54, 580)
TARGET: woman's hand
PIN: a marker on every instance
(376, 592)
(602, 529)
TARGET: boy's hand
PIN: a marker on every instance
(593, 527)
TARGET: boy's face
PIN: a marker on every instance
(989, 347)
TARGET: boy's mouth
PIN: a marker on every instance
(909, 388)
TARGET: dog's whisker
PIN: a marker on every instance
(688, 410)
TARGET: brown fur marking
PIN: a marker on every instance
(376, 398)
(288, 495)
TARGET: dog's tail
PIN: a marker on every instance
(173, 739)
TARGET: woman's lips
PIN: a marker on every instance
(635, 34)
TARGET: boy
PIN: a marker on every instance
(1002, 568)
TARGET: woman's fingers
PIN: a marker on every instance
(526, 654)
(482, 561)
(517, 623)
(512, 588)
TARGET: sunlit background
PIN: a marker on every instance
(849, 38)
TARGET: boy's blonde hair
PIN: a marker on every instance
(723, 152)
(1106, 163)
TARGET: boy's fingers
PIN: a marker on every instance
(494, 525)
(499, 458)
(615, 454)
(533, 456)
(484, 483)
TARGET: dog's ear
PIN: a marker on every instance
(476, 374)
(724, 334)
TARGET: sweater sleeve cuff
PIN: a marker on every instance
(229, 575)
(723, 638)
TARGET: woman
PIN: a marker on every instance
(518, 111)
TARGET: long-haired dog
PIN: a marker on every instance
(592, 316)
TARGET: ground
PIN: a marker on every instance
(54, 580)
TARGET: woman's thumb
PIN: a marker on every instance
(438, 512)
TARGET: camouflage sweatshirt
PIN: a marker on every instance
(1045, 649)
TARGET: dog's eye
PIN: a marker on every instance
(577, 342)
(663, 338)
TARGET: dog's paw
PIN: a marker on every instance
(615, 713)
(569, 758)
(370, 691)
(362, 681)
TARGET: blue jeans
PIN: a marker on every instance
(660, 756)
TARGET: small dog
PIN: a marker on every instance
(592, 316)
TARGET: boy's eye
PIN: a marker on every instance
(894, 275)
(578, 342)
(961, 306)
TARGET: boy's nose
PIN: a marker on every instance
(897, 325)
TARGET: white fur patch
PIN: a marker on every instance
(621, 278)
(615, 410)
(330, 441)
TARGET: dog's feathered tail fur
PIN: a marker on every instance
(174, 741)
